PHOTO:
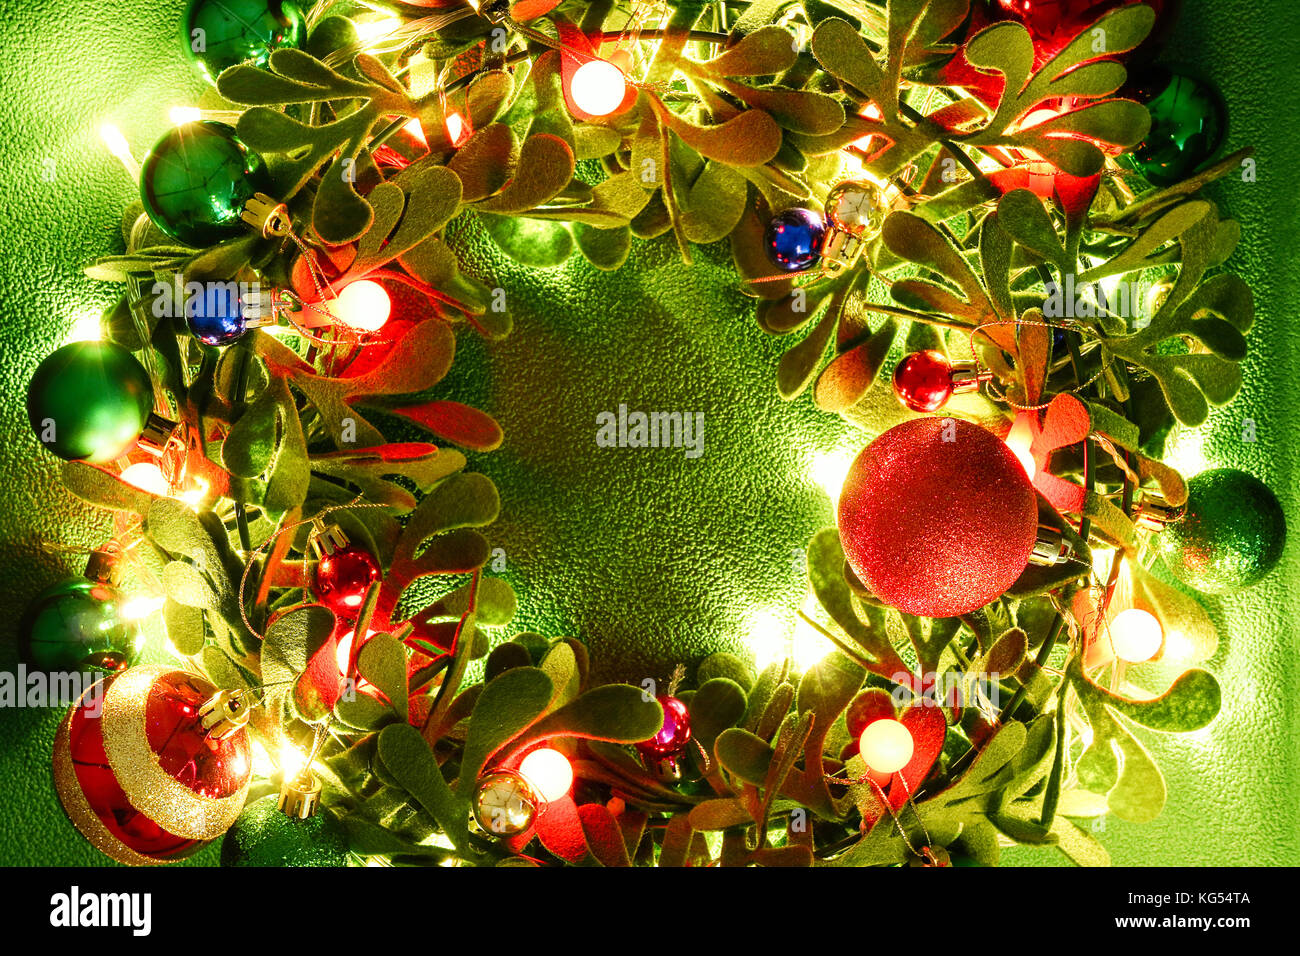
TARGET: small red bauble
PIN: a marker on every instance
(673, 736)
(937, 517)
(923, 381)
(343, 577)
(139, 775)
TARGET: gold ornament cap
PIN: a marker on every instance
(1153, 512)
(225, 713)
(267, 215)
(326, 538)
(300, 796)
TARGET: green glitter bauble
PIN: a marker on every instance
(77, 625)
(1232, 535)
(263, 836)
(89, 401)
(195, 181)
(222, 33)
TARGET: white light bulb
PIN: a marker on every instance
(598, 87)
(1136, 635)
(885, 746)
(548, 772)
(180, 115)
(362, 305)
(146, 476)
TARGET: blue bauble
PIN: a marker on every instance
(216, 316)
(794, 239)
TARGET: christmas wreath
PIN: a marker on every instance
(1002, 198)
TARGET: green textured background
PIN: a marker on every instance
(649, 556)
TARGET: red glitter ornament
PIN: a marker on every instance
(343, 577)
(937, 517)
(138, 773)
(1054, 23)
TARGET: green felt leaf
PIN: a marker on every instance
(826, 574)
(485, 162)
(723, 664)
(606, 249)
(292, 639)
(370, 839)
(1022, 215)
(793, 855)
(537, 243)
(561, 666)
(433, 263)
(744, 754)
(186, 584)
(909, 236)
(615, 712)
(507, 706)
(719, 814)
(719, 704)
(545, 167)
(462, 500)
(1079, 846)
(848, 376)
(184, 624)
(103, 489)
(750, 138)
(290, 472)
(768, 50)
(251, 442)
(505, 656)
(364, 712)
(407, 757)
(798, 365)
(382, 662)
(223, 671)
(714, 204)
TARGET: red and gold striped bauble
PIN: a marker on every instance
(139, 775)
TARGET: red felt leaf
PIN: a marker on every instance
(459, 424)
(603, 835)
(1067, 422)
(393, 452)
(868, 706)
(928, 728)
(525, 10)
(319, 687)
(559, 827)
(1064, 495)
(417, 361)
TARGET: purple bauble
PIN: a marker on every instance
(794, 239)
(675, 733)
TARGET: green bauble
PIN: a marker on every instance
(221, 33)
(1188, 123)
(89, 401)
(263, 836)
(77, 625)
(195, 181)
(1232, 535)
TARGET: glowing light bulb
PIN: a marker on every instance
(415, 130)
(119, 147)
(292, 760)
(374, 29)
(598, 87)
(886, 746)
(1019, 440)
(829, 469)
(146, 476)
(86, 327)
(548, 772)
(141, 606)
(180, 115)
(458, 130)
(1136, 635)
(362, 305)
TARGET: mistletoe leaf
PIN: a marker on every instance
(619, 713)
(407, 758)
(545, 168)
(766, 51)
(508, 705)
(382, 662)
(293, 639)
(849, 375)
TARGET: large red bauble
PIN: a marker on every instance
(342, 579)
(1054, 23)
(137, 773)
(937, 517)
